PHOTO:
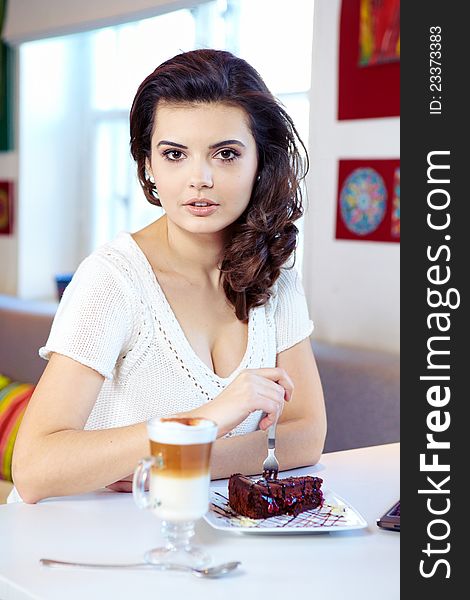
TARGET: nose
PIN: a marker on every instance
(201, 175)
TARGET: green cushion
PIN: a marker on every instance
(14, 397)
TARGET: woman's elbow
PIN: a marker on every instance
(24, 481)
(314, 457)
(313, 454)
(316, 443)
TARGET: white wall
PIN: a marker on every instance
(352, 286)
(50, 194)
(8, 243)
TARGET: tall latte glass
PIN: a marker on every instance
(178, 471)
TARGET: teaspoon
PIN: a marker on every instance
(215, 571)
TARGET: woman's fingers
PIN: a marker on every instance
(279, 376)
(267, 421)
(271, 390)
(274, 388)
(120, 486)
(252, 390)
(124, 485)
(268, 406)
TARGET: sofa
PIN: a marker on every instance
(24, 327)
(361, 386)
(362, 395)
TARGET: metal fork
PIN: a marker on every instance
(271, 464)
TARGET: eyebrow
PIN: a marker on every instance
(211, 147)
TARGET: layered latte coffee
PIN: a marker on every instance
(180, 475)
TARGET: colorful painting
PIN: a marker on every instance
(379, 37)
(6, 207)
(368, 202)
(366, 92)
(396, 205)
(363, 201)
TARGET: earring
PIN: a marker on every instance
(154, 192)
(149, 177)
(258, 178)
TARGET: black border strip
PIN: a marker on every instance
(434, 129)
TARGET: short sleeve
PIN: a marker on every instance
(291, 316)
(92, 324)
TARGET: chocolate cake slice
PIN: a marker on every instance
(268, 498)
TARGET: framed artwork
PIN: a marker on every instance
(368, 202)
(6, 207)
(6, 88)
(379, 32)
(369, 66)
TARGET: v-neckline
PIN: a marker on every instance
(184, 340)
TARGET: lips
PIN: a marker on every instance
(200, 202)
(201, 207)
(201, 211)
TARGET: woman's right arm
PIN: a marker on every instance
(53, 455)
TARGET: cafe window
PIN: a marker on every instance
(74, 134)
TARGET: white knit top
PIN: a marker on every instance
(115, 318)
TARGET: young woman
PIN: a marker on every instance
(197, 313)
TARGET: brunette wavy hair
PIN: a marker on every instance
(265, 236)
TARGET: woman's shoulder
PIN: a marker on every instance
(120, 249)
(288, 277)
(287, 293)
(119, 258)
(287, 282)
(290, 310)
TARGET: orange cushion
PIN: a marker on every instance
(14, 397)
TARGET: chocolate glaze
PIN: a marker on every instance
(265, 498)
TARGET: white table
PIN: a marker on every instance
(107, 527)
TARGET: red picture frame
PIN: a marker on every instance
(6, 207)
(364, 92)
(368, 200)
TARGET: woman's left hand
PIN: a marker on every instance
(124, 485)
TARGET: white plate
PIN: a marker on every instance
(335, 515)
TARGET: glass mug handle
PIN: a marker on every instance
(141, 475)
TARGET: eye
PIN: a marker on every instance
(175, 154)
(228, 155)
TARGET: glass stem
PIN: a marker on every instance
(178, 533)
